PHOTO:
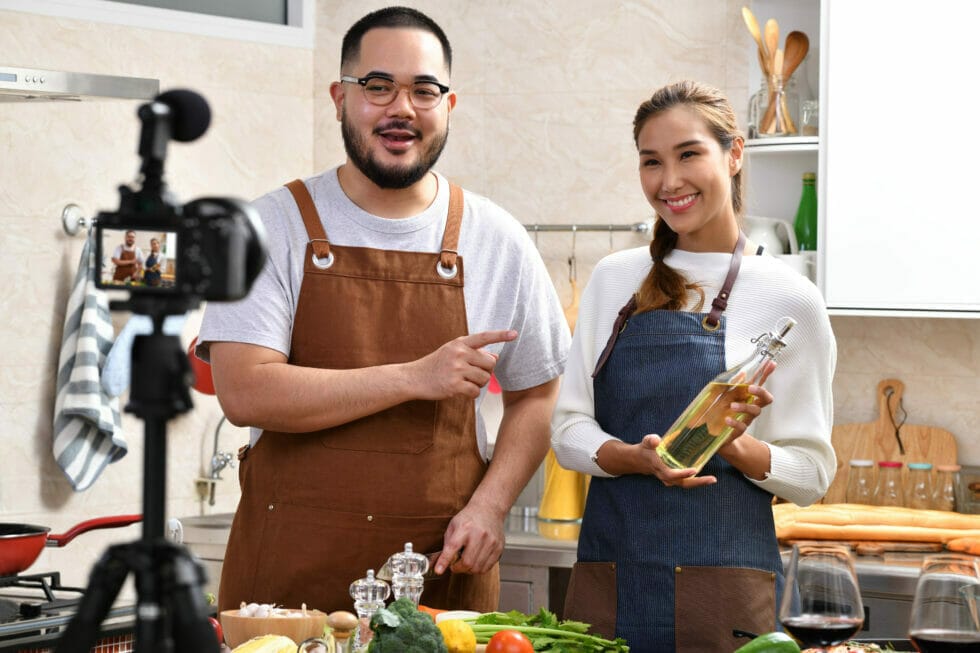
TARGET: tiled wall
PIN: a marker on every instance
(60, 152)
(546, 91)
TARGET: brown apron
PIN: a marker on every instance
(320, 509)
(125, 270)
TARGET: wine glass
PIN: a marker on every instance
(821, 603)
(944, 610)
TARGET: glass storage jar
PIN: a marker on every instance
(888, 488)
(860, 482)
(918, 487)
(789, 108)
(944, 495)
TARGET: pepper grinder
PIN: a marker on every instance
(369, 594)
(407, 568)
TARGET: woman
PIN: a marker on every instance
(667, 559)
(154, 264)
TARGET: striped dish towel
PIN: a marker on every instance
(87, 429)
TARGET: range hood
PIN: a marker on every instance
(32, 84)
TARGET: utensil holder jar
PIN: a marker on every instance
(784, 121)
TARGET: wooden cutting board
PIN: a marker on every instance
(876, 548)
(876, 440)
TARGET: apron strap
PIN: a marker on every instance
(711, 322)
(450, 238)
(624, 314)
(311, 218)
(720, 303)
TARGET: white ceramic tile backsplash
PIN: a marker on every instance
(55, 153)
(543, 126)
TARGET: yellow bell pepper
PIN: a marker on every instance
(267, 644)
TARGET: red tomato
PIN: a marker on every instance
(509, 641)
(217, 629)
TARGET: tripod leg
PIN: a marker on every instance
(105, 581)
(191, 628)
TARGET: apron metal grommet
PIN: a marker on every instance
(370, 517)
(272, 506)
(323, 263)
(677, 570)
(708, 327)
(444, 273)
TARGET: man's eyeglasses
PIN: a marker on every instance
(382, 91)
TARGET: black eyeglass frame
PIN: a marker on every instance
(362, 82)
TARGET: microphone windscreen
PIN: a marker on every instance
(191, 114)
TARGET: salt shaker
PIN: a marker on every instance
(860, 482)
(369, 594)
(407, 569)
(888, 489)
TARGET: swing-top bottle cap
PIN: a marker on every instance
(783, 327)
(771, 343)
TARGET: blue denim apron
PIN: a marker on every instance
(704, 559)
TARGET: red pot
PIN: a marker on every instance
(201, 369)
(21, 544)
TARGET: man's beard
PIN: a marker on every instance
(389, 177)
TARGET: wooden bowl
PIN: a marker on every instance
(239, 629)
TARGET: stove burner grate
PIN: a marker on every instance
(39, 597)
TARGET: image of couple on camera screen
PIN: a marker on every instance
(138, 257)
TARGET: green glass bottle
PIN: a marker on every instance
(805, 224)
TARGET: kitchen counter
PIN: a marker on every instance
(539, 554)
(538, 557)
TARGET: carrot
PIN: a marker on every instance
(964, 545)
(432, 612)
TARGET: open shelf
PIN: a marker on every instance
(783, 144)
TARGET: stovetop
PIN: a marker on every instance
(35, 608)
(31, 596)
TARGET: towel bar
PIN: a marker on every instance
(72, 219)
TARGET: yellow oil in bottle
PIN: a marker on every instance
(701, 429)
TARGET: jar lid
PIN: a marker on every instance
(948, 468)
(920, 465)
(861, 462)
(889, 463)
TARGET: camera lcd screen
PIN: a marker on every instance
(138, 259)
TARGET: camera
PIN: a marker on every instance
(207, 249)
(171, 256)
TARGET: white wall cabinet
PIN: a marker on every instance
(898, 159)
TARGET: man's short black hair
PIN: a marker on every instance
(406, 17)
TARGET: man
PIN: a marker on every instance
(128, 259)
(361, 349)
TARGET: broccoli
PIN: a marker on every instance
(401, 628)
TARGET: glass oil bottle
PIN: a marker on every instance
(701, 429)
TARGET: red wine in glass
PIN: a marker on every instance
(820, 630)
(944, 641)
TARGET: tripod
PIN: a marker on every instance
(171, 613)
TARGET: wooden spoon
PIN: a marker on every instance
(772, 43)
(769, 120)
(797, 46)
(753, 26)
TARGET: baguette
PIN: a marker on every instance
(969, 545)
(861, 522)
(854, 513)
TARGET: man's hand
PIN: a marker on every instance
(474, 540)
(459, 367)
